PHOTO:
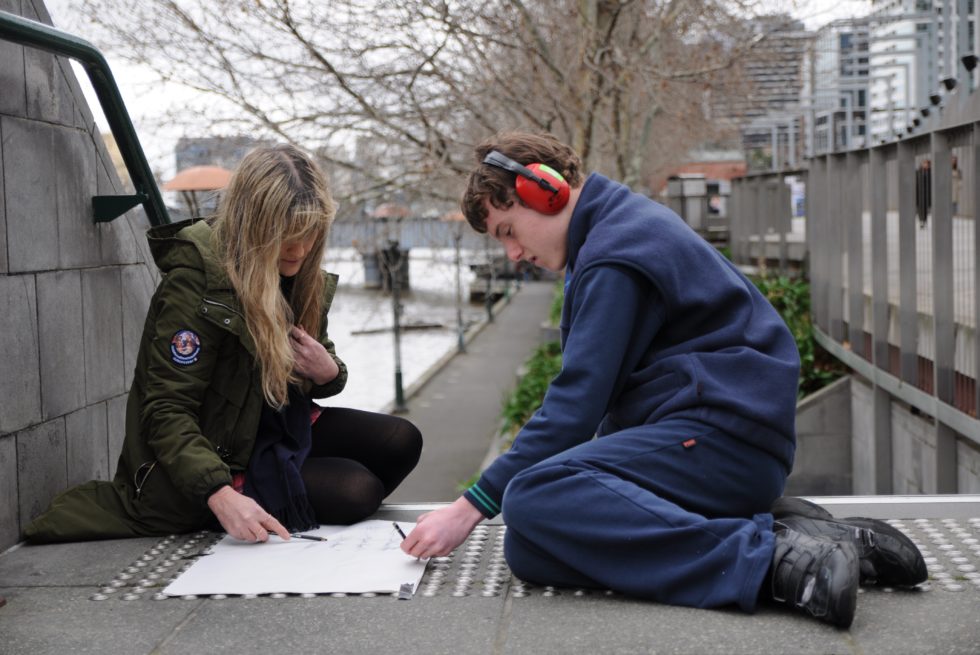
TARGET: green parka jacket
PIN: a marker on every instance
(193, 410)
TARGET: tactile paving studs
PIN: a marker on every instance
(519, 589)
(950, 548)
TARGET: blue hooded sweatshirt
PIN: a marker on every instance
(656, 323)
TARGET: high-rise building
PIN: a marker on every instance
(835, 93)
(915, 45)
(224, 151)
(773, 72)
(774, 69)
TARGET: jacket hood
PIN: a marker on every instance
(187, 244)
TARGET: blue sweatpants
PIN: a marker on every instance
(676, 512)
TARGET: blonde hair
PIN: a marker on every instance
(277, 194)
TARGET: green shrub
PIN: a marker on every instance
(791, 298)
(554, 314)
(542, 368)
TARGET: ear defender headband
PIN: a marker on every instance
(539, 186)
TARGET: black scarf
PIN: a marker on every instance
(272, 477)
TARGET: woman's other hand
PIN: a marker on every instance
(312, 359)
(242, 517)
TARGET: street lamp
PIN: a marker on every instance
(394, 259)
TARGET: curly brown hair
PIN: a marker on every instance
(496, 185)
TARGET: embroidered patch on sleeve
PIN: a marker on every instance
(185, 346)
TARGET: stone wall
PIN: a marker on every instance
(913, 438)
(73, 293)
(823, 443)
(835, 452)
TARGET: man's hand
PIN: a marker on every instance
(242, 517)
(438, 533)
(313, 362)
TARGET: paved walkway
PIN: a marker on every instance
(105, 598)
(458, 410)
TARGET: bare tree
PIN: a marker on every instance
(394, 93)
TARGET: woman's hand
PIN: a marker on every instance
(438, 533)
(312, 359)
(242, 517)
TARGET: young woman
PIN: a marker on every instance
(221, 427)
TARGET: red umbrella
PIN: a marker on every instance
(199, 178)
(452, 216)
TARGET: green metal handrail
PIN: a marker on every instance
(105, 208)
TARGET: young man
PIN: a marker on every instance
(686, 376)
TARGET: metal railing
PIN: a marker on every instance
(105, 208)
(891, 250)
(764, 232)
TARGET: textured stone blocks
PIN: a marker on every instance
(69, 330)
(116, 417)
(862, 438)
(78, 236)
(13, 100)
(967, 467)
(29, 186)
(3, 204)
(137, 289)
(823, 451)
(87, 439)
(42, 467)
(49, 97)
(20, 387)
(62, 342)
(102, 323)
(123, 240)
(9, 510)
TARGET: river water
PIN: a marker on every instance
(370, 357)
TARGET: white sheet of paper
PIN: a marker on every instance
(360, 558)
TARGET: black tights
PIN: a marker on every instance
(357, 459)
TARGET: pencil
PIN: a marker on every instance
(296, 535)
(311, 537)
(399, 530)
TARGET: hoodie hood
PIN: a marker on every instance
(188, 244)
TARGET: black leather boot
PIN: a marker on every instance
(887, 556)
(816, 576)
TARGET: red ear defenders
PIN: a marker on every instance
(539, 186)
